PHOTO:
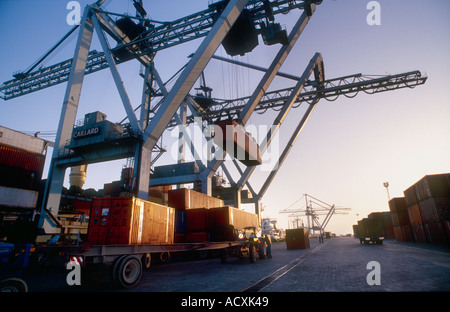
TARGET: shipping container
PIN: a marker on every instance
(180, 169)
(415, 217)
(18, 198)
(398, 233)
(400, 218)
(435, 232)
(410, 196)
(238, 218)
(237, 142)
(435, 209)
(437, 185)
(122, 220)
(407, 233)
(21, 159)
(297, 239)
(397, 204)
(418, 233)
(184, 199)
(22, 141)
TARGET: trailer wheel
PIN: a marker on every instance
(129, 271)
(13, 284)
(146, 261)
(253, 253)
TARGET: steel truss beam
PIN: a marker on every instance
(159, 36)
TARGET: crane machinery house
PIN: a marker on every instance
(95, 130)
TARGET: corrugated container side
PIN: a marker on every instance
(18, 198)
(400, 218)
(21, 159)
(437, 185)
(410, 196)
(435, 209)
(407, 233)
(418, 233)
(435, 232)
(415, 217)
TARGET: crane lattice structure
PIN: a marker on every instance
(162, 108)
(312, 209)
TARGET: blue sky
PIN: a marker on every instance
(347, 149)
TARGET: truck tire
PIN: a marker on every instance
(252, 253)
(129, 272)
(13, 284)
(263, 251)
(164, 258)
(126, 271)
(146, 261)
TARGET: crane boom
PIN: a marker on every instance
(157, 37)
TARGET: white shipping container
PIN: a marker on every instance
(21, 141)
(18, 198)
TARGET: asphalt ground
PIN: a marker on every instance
(337, 265)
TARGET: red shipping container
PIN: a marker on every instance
(197, 237)
(21, 159)
(130, 221)
(197, 220)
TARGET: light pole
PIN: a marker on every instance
(386, 185)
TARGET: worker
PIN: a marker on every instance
(269, 246)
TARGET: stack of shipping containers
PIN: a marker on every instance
(428, 202)
(22, 159)
(200, 218)
(400, 220)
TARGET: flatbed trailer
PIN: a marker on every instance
(126, 263)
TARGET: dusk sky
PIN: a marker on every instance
(347, 149)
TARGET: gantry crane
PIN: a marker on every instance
(235, 24)
(312, 209)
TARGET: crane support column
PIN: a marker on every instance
(52, 195)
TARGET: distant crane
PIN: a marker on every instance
(312, 210)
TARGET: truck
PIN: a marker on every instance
(124, 235)
(370, 231)
(125, 263)
(248, 243)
